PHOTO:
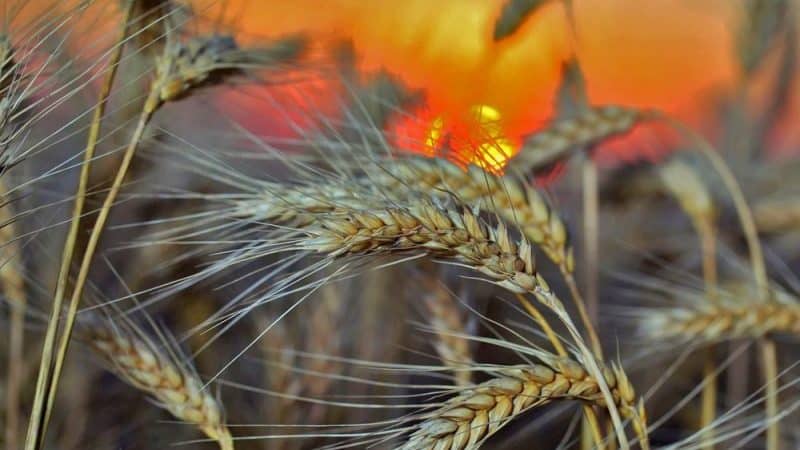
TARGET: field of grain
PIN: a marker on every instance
(333, 224)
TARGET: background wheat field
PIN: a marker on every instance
(335, 224)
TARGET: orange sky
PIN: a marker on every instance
(674, 55)
(664, 54)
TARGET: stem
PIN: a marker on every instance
(589, 414)
(151, 104)
(769, 357)
(612, 444)
(549, 299)
(590, 421)
(37, 426)
(705, 232)
(590, 235)
(708, 246)
(580, 305)
(709, 400)
(756, 261)
(548, 330)
(225, 442)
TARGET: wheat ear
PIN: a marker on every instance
(458, 236)
(510, 198)
(513, 200)
(582, 131)
(724, 320)
(177, 390)
(469, 419)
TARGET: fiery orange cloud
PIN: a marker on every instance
(677, 56)
(671, 55)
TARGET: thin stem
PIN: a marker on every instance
(151, 104)
(705, 232)
(593, 424)
(590, 416)
(548, 330)
(612, 443)
(709, 399)
(769, 358)
(588, 310)
(708, 246)
(585, 318)
(549, 299)
(590, 235)
(37, 425)
(756, 261)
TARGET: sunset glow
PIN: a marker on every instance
(670, 55)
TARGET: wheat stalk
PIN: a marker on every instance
(145, 367)
(324, 337)
(45, 382)
(179, 71)
(278, 376)
(684, 183)
(469, 419)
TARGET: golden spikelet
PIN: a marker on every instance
(438, 231)
(401, 180)
(569, 135)
(179, 391)
(733, 316)
(510, 198)
(738, 311)
(469, 419)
